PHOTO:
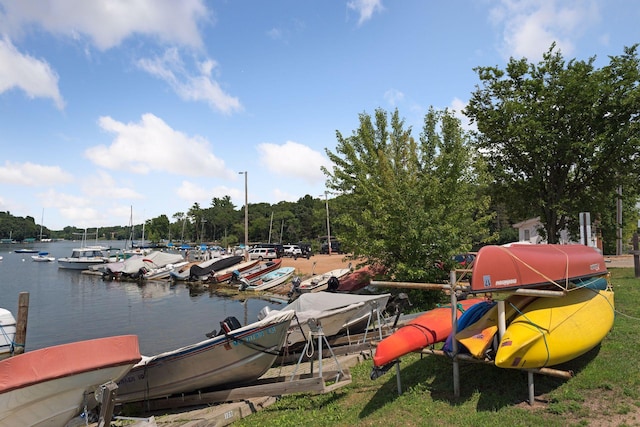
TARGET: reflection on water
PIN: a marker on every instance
(66, 306)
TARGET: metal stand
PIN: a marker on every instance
(501, 330)
(316, 331)
(106, 396)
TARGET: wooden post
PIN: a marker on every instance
(636, 255)
(21, 324)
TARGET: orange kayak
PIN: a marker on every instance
(429, 328)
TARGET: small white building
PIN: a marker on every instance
(528, 231)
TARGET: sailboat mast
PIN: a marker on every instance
(41, 222)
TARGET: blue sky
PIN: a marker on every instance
(110, 105)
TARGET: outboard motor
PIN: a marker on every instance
(333, 284)
(295, 287)
(235, 276)
(399, 304)
(227, 325)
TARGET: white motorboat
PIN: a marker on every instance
(83, 258)
(7, 333)
(320, 282)
(237, 355)
(43, 257)
(270, 280)
(50, 386)
(334, 312)
(164, 271)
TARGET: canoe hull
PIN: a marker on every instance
(511, 267)
(551, 331)
(431, 327)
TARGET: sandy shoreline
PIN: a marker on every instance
(317, 264)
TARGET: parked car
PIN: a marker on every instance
(306, 249)
(278, 247)
(335, 248)
(296, 251)
(263, 253)
(460, 261)
(293, 251)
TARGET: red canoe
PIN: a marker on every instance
(524, 265)
(431, 327)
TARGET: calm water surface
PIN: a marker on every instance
(66, 306)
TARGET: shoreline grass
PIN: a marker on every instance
(605, 389)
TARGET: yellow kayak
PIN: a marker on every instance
(551, 331)
(477, 337)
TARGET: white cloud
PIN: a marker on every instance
(76, 210)
(104, 186)
(457, 105)
(152, 145)
(294, 160)
(393, 97)
(191, 192)
(531, 26)
(365, 8)
(35, 77)
(32, 175)
(189, 86)
(108, 23)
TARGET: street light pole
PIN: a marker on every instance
(246, 212)
(326, 201)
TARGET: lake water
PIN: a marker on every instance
(67, 306)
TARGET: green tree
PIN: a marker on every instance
(157, 228)
(560, 137)
(223, 216)
(407, 204)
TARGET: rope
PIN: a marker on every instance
(251, 345)
(550, 280)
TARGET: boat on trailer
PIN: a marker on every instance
(236, 355)
(50, 386)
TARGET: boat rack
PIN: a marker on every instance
(453, 288)
(274, 386)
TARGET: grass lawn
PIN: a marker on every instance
(605, 390)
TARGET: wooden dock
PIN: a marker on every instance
(221, 408)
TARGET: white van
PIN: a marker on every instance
(263, 253)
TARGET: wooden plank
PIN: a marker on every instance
(410, 285)
(278, 386)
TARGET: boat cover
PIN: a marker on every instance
(220, 264)
(155, 259)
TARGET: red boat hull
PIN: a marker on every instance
(431, 327)
(499, 268)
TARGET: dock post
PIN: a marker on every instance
(20, 339)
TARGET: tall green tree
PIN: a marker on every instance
(560, 137)
(409, 204)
